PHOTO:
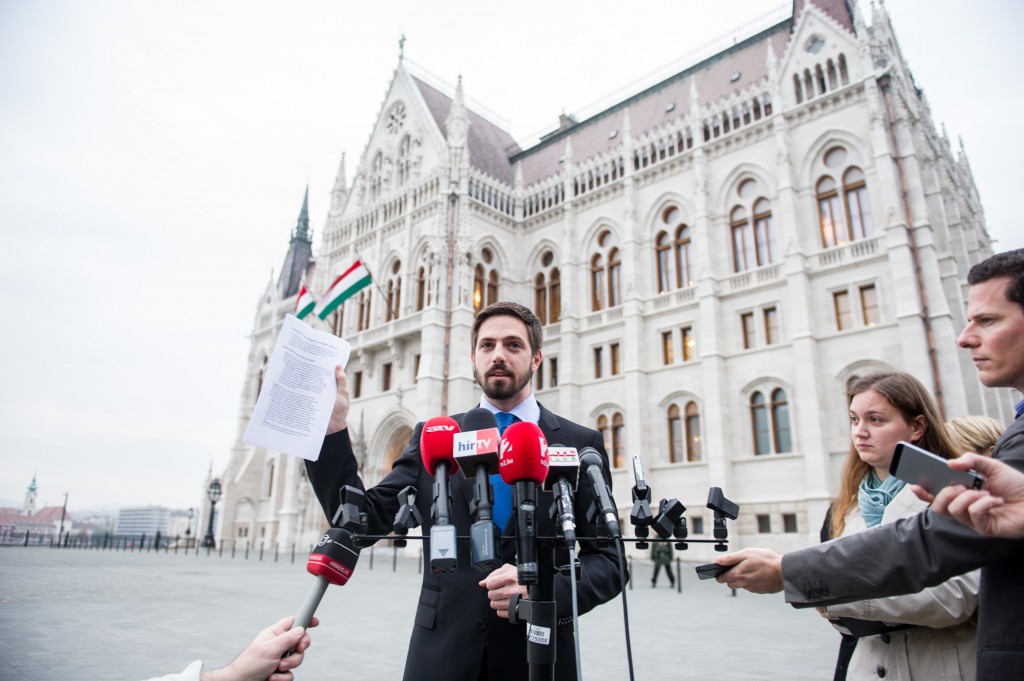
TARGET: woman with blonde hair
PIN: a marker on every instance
(974, 434)
(928, 635)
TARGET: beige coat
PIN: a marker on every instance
(942, 646)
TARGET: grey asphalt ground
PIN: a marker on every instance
(72, 614)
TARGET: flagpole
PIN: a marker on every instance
(376, 285)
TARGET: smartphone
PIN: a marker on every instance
(918, 466)
(709, 570)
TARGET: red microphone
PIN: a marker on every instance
(436, 448)
(331, 562)
(523, 461)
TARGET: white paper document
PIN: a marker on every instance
(295, 402)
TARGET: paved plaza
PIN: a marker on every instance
(100, 615)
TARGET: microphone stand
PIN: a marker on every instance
(541, 616)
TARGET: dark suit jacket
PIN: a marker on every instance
(456, 632)
(921, 551)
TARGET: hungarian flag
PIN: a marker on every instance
(305, 304)
(350, 282)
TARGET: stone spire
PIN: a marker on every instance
(340, 192)
(457, 125)
(300, 252)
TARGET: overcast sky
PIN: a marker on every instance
(153, 157)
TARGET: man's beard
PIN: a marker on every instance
(505, 389)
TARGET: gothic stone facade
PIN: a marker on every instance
(714, 259)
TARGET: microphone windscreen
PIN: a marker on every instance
(523, 454)
(590, 457)
(334, 557)
(478, 419)
(436, 443)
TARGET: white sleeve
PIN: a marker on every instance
(190, 673)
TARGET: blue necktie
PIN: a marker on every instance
(502, 509)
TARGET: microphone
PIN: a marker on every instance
(476, 452)
(642, 517)
(562, 478)
(590, 459)
(436, 448)
(331, 562)
(524, 462)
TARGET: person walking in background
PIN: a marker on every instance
(974, 434)
(662, 554)
(928, 635)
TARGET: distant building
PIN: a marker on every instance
(713, 258)
(134, 521)
(42, 527)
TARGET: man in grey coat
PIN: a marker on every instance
(926, 549)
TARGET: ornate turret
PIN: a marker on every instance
(300, 252)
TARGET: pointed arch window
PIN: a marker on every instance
(597, 282)
(270, 479)
(338, 321)
(752, 229)
(555, 297)
(547, 290)
(394, 292)
(618, 441)
(684, 272)
(478, 288)
(672, 251)
(485, 280)
(844, 214)
(614, 278)
(364, 310)
(770, 422)
(693, 437)
(662, 248)
(605, 273)
(759, 421)
(742, 240)
(675, 435)
(780, 421)
(764, 236)
(602, 428)
(540, 298)
(492, 287)
(421, 288)
(858, 208)
(830, 214)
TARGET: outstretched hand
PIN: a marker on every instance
(756, 570)
(996, 510)
(262, 660)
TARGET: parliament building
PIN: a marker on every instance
(713, 258)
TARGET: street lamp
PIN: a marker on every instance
(213, 494)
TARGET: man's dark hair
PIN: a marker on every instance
(507, 309)
(1009, 264)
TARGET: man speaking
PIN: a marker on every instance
(461, 629)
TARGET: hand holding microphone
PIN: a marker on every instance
(437, 450)
(331, 562)
(523, 462)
